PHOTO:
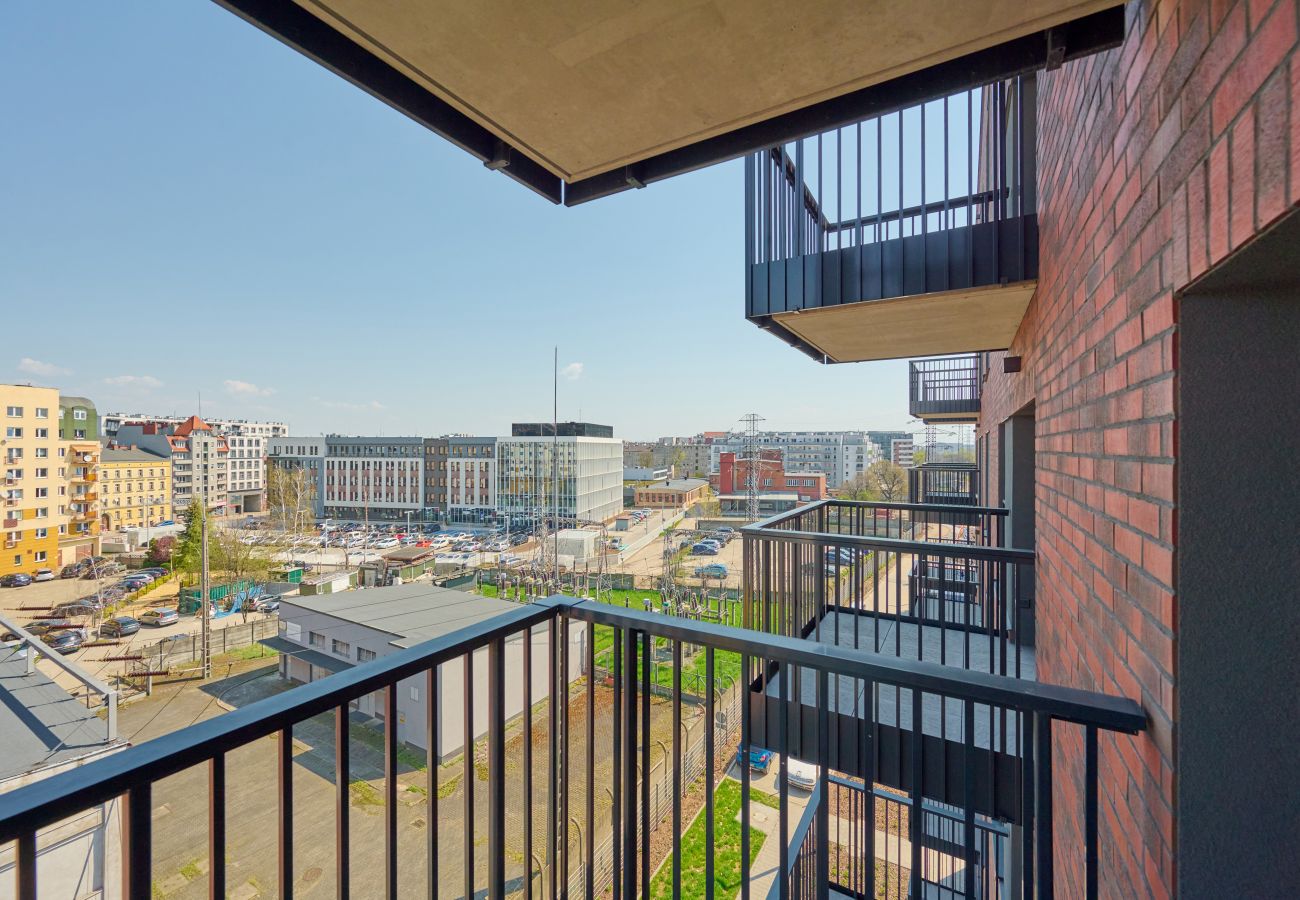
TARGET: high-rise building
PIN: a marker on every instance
(37, 478)
(471, 477)
(291, 454)
(135, 488)
(839, 455)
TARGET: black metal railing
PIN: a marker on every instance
(945, 389)
(953, 484)
(565, 810)
(938, 592)
(937, 196)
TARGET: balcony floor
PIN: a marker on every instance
(944, 646)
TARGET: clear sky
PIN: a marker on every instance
(190, 207)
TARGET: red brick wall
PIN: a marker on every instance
(1156, 161)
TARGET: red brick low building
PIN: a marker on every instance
(732, 477)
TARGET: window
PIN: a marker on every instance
(14, 412)
(42, 492)
(42, 532)
(13, 432)
(79, 434)
(42, 452)
(42, 473)
(364, 655)
(42, 432)
(40, 555)
(315, 639)
(42, 412)
(79, 415)
(342, 648)
(18, 559)
(42, 512)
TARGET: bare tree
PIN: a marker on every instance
(235, 560)
(888, 480)
(291, 495)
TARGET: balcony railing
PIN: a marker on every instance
(945, 390)
(935, 198)
(955, 484)
(931, 586)
(572, 813)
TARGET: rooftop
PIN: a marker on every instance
(410, 612)
(41, 723)
(678, 484)
(128, 455)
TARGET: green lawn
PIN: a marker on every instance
(726, 850)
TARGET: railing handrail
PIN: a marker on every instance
(895, 545)
(940, 508)
(52, 799)
(1064, 703)
(48, 801)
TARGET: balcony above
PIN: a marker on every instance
(581, 102)
(908, 234)
(945, 390)
(948, 483)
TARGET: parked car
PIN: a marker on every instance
(17, 579)
(51, 625)
(801, 774)
(159, 617)
(704, 549)
(712, 570)
(386, 544)
(155, 571)
(65, 641)
(267, 605)
(75, 570)
(119, 627)
(759, 759)
(83, 607)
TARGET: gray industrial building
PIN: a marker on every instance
(330, 633)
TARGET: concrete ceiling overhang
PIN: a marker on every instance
(583, 93)
(936, 324)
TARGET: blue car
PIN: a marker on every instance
(759, 759)
(712, 570)
(704, 550)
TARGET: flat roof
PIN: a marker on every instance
(411, 613)
(676, 484)
(41, 724)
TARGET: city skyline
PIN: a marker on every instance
(425, 295)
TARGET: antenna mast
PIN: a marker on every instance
(751, 454)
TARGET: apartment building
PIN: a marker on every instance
(199, 459)
(37, 477)
(135, 488)
(838, 455)
(373, 478)
(471, 477)
(246, 445)
(902, 452)
(579, 478)
(79, 433)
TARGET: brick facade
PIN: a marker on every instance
(1156, 161)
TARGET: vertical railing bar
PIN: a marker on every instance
(284, 767)
(432, 757)
(745, 726)
(677, 768)
(629, 764)
(915, 818)
(968, 765)
(590, 848)
(26, 865)
(553, 825)
(1044, 843)
(824, 703)
(647, 642)
(496, 713)
(137, 856)
(217, 826)
(783, 780)
(390, 791)
(1090, 812)
(342, 805)
(561, 681)
(710, 713)
(467, 777)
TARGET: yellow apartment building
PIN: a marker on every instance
(135, 488)
(34, 511)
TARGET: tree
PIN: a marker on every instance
(888, 480)
(160, 550)
(645, 459)
(187, 554)
(291, 496)
(233, 560)
(859, 487)
(918, 456)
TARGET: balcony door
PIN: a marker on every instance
(1016, 478)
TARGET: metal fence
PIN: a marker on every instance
(772, 714)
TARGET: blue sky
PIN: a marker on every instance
(192, 208)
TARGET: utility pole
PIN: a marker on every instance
(555, 459)
(205, 601)
(752, 455)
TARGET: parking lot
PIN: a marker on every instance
(25, 604)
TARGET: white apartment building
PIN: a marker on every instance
(839, 455)
(373, 478)
(111, 422)
(587, 476)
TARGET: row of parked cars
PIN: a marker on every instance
(712, 544)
